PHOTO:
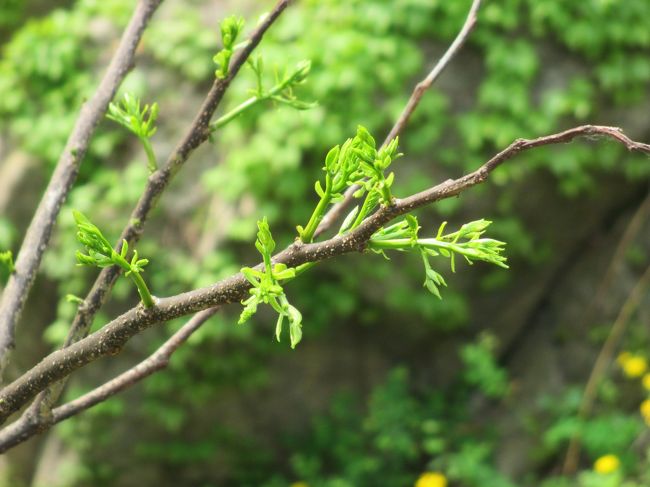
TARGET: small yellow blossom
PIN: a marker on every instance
(299, 484)
(633, 365)
(607, 464)
(646, 382)
(645, 411)
(431, 479)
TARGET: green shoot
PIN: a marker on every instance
(357, 161)
(267, 288)
(281, 92)
(138, 120)
(6, 265)
(231, 27)
(467, 242)
(101, 254)
(71, 298)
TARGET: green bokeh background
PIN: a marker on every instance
(388, 382)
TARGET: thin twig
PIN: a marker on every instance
(29, 425)
(40, 228)
(603, 360)
(606, 353)
(110, 339)
(198, 133)
(336, 212)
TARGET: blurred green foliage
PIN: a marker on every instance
(365, 57)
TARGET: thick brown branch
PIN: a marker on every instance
(40, 228)
(31, 424)
(155, 362)
(112, 337)
(336, 212)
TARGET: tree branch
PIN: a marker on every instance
(336, 212)
(198, 133)
(110, 339)
(30, 424)
(40, 228)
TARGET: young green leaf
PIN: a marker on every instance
(230, 28)
(139, 120)
(100, 253)
(267, 288)
(467, 242)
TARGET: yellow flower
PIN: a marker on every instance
(646, 382)
(607, 464)
(431, 479)
(299, 484)
(633, 365)
(645, 411)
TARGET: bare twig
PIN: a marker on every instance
(40, 228)
(111, 338)
(615, 333)
(336, 212)
(29, 425)
(157, 183)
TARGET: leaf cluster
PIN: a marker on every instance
(267, 288)
(356, 162)
(231, 27)
(139, 120)
(466, 241)
(100, 253)
(281, 92)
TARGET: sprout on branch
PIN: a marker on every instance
(101, 254)
(356, 162)
(267, 288)
(467, 242)
(281, 92)
(139, 120)
(231, 27)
